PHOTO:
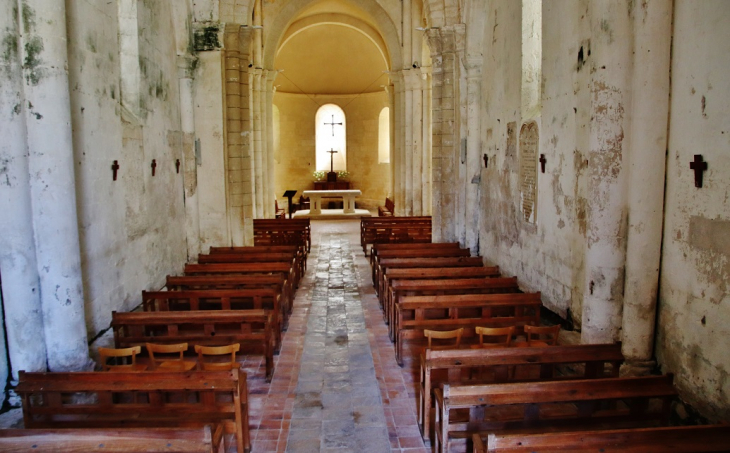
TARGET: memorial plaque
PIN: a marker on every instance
(529, 143)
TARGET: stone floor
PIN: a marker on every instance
(336, 386)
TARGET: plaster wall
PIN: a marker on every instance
(131, 230)
(295, 156)
(211, 186)
(547, 255)
(694, 295)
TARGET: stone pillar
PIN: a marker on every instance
(473, 152)
(21, 296)
(647, 161)
(256, 118)
(236, 165)
(52, 184)
(437, 152)
(416, 117)
(399, 175)
(248, 168)
(269, 137)
(606, 223)
(427, 136)
(408, 149)
(390, 89)
(189, 163)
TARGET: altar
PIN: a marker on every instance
(315, 199)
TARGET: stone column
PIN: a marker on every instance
(473, 152)
(408, 149)
(606, 224)
(236, 164)
(256, 120)
(399, 112)
(437, 152)
(647, 162)
(269, 137)
(390, 89)
(248, 168)
(21, 296)
(52, 184)
(427, 136)
(189, 164)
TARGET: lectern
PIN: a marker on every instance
(289, 194)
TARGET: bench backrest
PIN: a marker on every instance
(254, 249)
(223, 299)
(132, 399)
(248, 257)
(223, 281)
(237, 268)
(440, 272)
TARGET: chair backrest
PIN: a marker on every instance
(501, 335)
(444, 335)
(542, 335)
(125, 359)
(215, 352)
(169, 356)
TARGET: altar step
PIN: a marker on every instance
(332, 214)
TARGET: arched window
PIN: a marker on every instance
(531, 57)
(384, 136)
(331, 133)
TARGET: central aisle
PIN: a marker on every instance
(336, 387)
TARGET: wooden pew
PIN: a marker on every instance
(416, 313)
(151, 440)
(455, 286)
(550, 406)
(424, 253)
(283, 232)
(432, 273)
(220, 299)
(301, 250)
(675, 439)
(137, 400)
(388, 210)
(464, 366)
(378, 230)
(252, 329)
(401, 263)
(376, 248)
(245, 268)
(276, 282)
(292, 257)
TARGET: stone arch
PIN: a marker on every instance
(276, 29)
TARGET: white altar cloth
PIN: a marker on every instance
(315, 199)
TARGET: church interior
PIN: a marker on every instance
(578, 145)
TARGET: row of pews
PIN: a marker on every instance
(237, 296)
(518, 395)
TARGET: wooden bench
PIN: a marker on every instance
(252, 329)
(137, 400)
(282, 269)
(283, 232)
(433, 273)
(376, 248)
(464, 366)
(423, 254)
(388, 210)
(402, 263)
(675, 439)
(151, 440)
(416, 313)
(301, 250)
(454, 286)
(379, 230)
(293, 257)
(462, 411)
(219, 299)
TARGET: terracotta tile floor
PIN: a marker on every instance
(328, 408)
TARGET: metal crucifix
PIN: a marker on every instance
(333, 124)
(332, 159)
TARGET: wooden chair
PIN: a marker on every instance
(444, 335)
(121, 355)
(502, 335)
(278, 213)
(169, 357)
(217, 351)
(540, 336)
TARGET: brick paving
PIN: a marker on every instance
(336, 386)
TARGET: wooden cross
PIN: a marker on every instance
(543, 161)
(115, 167)
(154, 165)
(332, 159)
(333, 124)
(699, 166)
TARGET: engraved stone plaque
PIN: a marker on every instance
(529, 141)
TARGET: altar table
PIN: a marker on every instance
(315, 199)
